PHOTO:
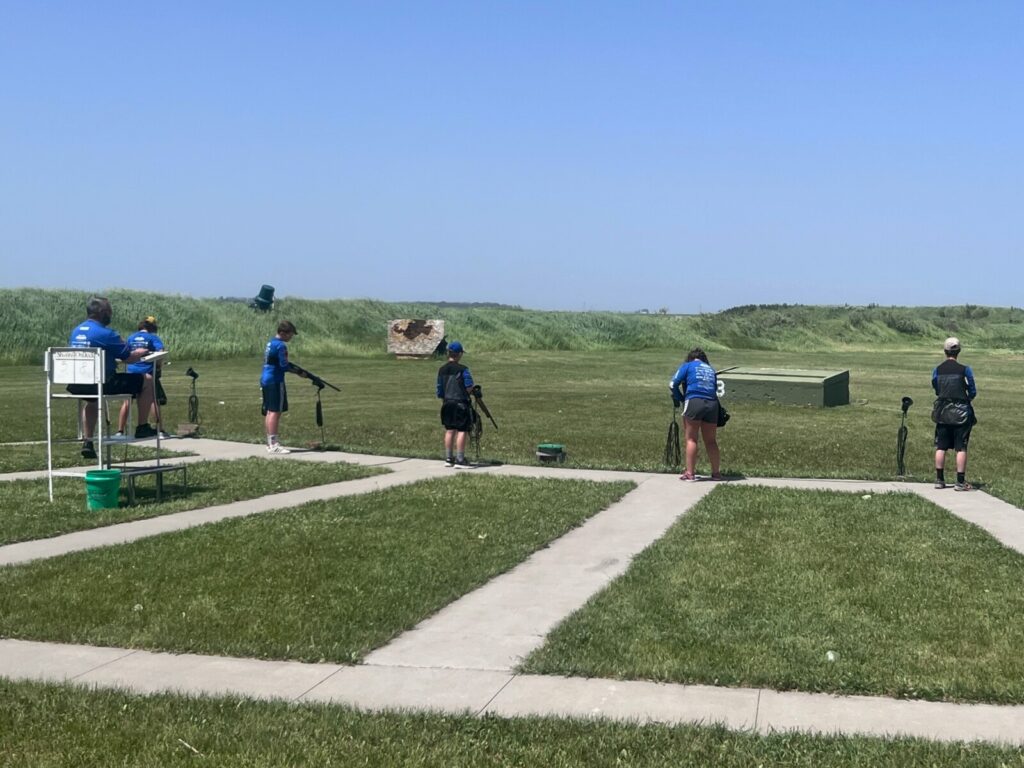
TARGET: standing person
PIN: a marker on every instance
(695, 385)
(93, 332)
(275, 396)
(454, 383)
(953, 413)
(145, 338)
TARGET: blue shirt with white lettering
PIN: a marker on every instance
(697, 379)
(92, 333)
(143, 340)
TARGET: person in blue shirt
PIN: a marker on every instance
(93, 332)
(954, 413)
(145, 338)
(695, 387)
(275, 395)
(454, 384)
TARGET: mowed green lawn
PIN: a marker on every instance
(810, 590)
(610, 409)
(47, 726)
(327, 581)
(28, 512)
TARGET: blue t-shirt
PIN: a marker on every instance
(92, 333)
(143, 340)
(698, 379)
(275, 362)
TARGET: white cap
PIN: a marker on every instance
(952, 344)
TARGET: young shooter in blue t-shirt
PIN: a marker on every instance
(275, 396)
(146, 339)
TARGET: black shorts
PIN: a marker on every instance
(275, 398)
(948, 437)
(120, 384)
(457, 415)
(699, 409)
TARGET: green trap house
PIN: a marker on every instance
(789, 386)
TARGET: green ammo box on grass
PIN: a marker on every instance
(789, 386)
(551, 452)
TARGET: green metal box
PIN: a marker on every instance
(791, 386)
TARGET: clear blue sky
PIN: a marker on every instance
(573, 155)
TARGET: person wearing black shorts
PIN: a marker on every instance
(953, 413)
(454, 383)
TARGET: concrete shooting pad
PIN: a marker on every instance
(463, 659)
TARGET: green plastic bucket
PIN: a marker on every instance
(103, 488)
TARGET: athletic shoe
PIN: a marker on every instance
(940, 484)
(119, 434)
(143, 431)
(88, 451)
(717, 476)
(449, 462)
(688, 477)
(965, 486)
(462, 464)
(277, 448)
(165, 435)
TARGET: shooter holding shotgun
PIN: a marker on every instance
(275, 395)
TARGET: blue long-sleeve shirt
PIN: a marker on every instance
(694, 379)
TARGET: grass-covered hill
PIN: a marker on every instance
(33, 319)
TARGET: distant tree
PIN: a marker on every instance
(662, 310)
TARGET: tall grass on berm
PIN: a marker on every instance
(212, 328)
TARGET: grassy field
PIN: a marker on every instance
(756, 587)
(46, 726)
(326, 581)
(610, 409)
(28, 513)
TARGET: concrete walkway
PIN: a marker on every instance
(462, 658)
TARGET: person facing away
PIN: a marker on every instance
(145, 338)
(93, 332)
(953, 383)
(454, 384)
(695, 387)
(275, 395)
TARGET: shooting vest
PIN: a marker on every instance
(952, 406)
(951, 381)
(453, 385)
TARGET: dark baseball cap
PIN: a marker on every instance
(455, 348)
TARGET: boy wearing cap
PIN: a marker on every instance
(275, 396)
(953, 413)
(146, 339)
(454, 383)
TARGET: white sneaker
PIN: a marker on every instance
(119, 434)
(277, 448)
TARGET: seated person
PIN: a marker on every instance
(93, 332)
(146, 338)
